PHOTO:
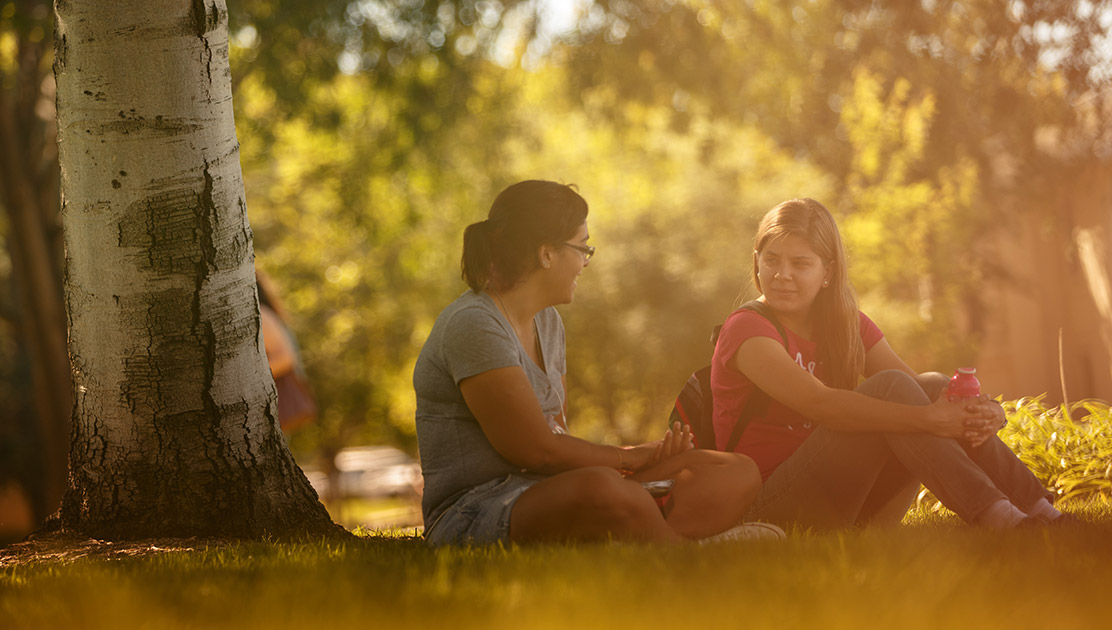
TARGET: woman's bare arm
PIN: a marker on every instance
(503, 402)
(764, 362)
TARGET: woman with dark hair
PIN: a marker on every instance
(498, 462)
(834, 453)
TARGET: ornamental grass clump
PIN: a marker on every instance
(1068, 447)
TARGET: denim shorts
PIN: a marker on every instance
(482, 515)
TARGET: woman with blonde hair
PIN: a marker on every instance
(834, 451)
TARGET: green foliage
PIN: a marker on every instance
(428, 55)
(913, 577)
(681, 123)
(923, 113)
(352, 220)
(1068, 447)
(907, 227)
(361, 228)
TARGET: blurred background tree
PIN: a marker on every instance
(373, 131)
(926, 114)
(34, 369)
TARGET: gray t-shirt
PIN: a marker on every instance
(470, 337)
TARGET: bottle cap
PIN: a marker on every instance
(967, 370)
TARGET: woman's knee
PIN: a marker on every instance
(747, 476)
(711, 464)
(721, 475)
(703, 461)
(603, 493)
(894, 386)
(933, 383)
(743, 472)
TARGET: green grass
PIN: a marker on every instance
(919, 576)
(932, 572)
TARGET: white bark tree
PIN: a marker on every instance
(175, 430)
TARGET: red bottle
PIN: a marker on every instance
(963, 384)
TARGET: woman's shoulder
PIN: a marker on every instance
(470, 332)
(748, 318)
(743, 324)
(469, 301)
(469, 312)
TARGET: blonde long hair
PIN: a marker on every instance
(834, 312)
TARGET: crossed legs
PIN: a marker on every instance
(711, 492)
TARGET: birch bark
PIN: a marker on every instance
(174, 422)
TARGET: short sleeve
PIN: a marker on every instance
(741, 326)
(476, 342)
(870, 333)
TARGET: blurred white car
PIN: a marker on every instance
(370, 472)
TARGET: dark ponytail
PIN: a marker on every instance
(524, 216)
(475, 266)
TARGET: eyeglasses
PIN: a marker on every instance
(587, 251)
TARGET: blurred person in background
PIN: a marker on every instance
(296, 405)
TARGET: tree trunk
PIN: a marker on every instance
(175, 416)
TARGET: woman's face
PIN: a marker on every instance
(791, 274)
(566, 264)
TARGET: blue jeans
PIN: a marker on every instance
(482, 515)
(839, 479)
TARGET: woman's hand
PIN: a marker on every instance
(951, 419)
(676, 440)
(972, 421)
(989, 419)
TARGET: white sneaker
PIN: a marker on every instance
(747, 531)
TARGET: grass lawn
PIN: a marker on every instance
(930, 573)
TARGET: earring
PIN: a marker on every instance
(545, 264)
(825, 283)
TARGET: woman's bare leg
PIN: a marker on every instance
(589, 504)
(712, 490)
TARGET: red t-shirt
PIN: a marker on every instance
(771, 439)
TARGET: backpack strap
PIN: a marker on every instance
(761, 309)
(757, 405)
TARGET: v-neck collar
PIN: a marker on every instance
(536, 334)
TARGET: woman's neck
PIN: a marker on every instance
(798, 323)
(518, 303)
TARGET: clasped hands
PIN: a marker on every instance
(988, 418)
